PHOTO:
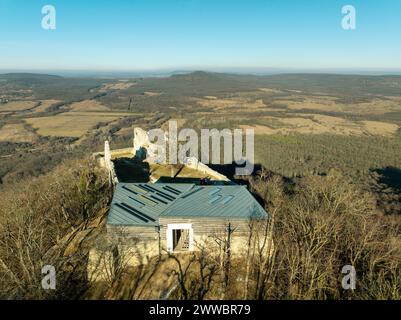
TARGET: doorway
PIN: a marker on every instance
(179, 237)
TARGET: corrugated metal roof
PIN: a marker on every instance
(231, 201)
(141, 204)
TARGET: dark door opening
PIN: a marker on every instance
(181, 240)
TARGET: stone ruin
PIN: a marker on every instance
(142, 150)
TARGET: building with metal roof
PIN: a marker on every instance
(179, 213)
(141, 204)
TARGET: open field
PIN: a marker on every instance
(16, 133)
(181, 123)
(294, 102)
(70, 124)
(152, 94)
(334, 104)
(44, 104)
(272, 91)
(320, 124)
(17, 105)
(229, 104)
(122, 85)
(88, 105)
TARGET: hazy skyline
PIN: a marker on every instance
(200, 34)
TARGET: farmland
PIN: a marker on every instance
(17, 106)
(71, 124)
(303, 123)
(16, 133)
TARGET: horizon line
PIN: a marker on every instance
(233, 70)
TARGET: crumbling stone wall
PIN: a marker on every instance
(142, 145)
(194, 163)
(109, 165)
(141, 142)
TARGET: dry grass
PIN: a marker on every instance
(17, 105)
(70, 124)
(328, 103)
(16, 133)
(101, 114)
(320, 124)
(180, 123)
(269, 90)
(124, 132)
(122, 85)
(380, 128)
(259, 129)
(88, 105)
(44, 104)
(232, 104)
(336, 125)
(152, 94)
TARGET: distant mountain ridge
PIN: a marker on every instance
(203, 81)
(17, 76)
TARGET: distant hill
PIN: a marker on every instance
(309, 83)
(25, 76)
(45, 86)
(200, 83)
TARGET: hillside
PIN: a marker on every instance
(58, 218)
(327, 156)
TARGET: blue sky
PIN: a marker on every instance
(200, 34)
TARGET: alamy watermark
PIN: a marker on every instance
(348, 282)
(349, 19)
(49, 279)
(49, 18)
(175, 146)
